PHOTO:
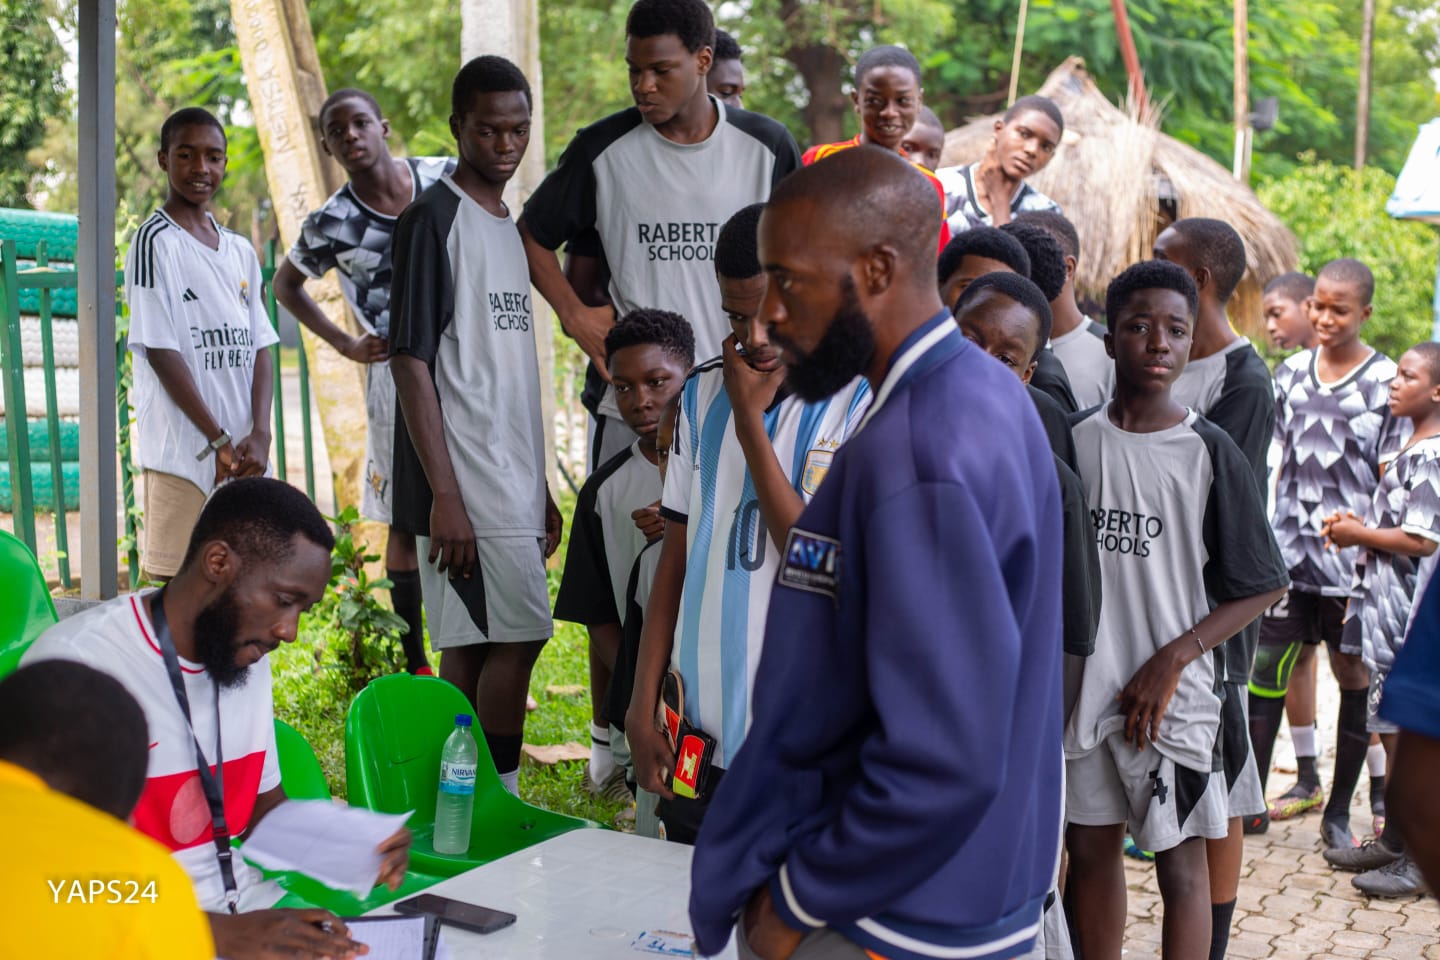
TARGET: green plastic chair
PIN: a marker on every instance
(26, 609)
(303, 779)
(394, 733)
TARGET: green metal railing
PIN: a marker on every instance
(35, 290)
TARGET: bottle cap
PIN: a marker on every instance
(462, 719)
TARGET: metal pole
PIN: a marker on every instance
(1241, 31)
(1128, 54)
(1362, 99)
(95, 299)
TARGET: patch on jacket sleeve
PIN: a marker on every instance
(811, 562)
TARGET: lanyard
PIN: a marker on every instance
(212, 783)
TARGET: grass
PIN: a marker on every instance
(314, 701)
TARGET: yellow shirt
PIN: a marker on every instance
(78, 883)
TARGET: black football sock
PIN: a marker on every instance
(1220, 916)
(405, 596)
(504, 750)
(1377, 796)
(1266, 715)
(1309, 771)
(1352, 740)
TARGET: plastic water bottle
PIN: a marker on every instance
(455, 800)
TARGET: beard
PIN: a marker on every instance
(842, 354)
(215, 630)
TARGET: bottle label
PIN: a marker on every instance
(457, 778)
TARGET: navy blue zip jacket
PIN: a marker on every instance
(901, 782)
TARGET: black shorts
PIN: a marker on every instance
(1307, 618)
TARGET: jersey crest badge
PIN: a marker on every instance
(817, 464)
(811, 562)
(245, 292)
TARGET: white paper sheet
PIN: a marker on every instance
(332, 843)
(391, 938)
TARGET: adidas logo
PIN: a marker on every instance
(189, 296)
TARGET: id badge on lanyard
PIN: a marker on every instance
(213, 783)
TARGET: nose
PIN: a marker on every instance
(286, 630)
(644, 81)
(771, 313)
(756, 335)
(890, 109)
(1157, 342)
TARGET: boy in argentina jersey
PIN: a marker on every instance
(1333, 422)
(747, 456)
(653, 184)
(351, 233)
(1226, 382)
(1397, 539)
(1186, 559)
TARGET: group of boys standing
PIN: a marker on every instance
(721, 583)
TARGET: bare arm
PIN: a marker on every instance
(1347, 530)
(750, 393)
(586, 325)
(452, 539)
(252, 453)
(1147, 695)
(652, 754)
(289, 285)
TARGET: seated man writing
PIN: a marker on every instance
(193, 655)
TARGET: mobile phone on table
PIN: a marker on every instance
(466, 916)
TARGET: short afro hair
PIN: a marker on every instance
(189, 117)
(668, 331)
(988, 242)
(349, 93)
(886, 56)
(928, 118)
(1149, 275)
(1351, 271)
(1023, 292)
(1047, 257)
(1429, 352)
(1294, 285)
(79, 730)
(487, 74)
(1058, 226)
(1036, 102)
(257, 517)
(726, 46)
(1218, 248)
(690, 20)
(737, 256)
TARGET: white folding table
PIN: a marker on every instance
(584, 895)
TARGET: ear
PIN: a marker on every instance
(218, 564)
(1202, 277)
(855, 99)
(163, 158)
(877, 269)
(1109, 343)
(384, 129)
(1365, 312)
(704, 60)
(1069, 269)
(1029, 372)
(999, 125)
(455, 128)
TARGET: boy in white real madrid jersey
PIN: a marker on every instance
(747, 457)
(198, 331)
(470, 447)
(1186, 560)
(351, 234)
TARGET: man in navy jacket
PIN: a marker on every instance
(900, 787)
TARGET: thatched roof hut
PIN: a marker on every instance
(1121, 182)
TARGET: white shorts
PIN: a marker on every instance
(1245, 797)
(1164, 803)
(503, 601)
(375, 498)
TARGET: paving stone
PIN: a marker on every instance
(1250, 947)
(1359, 939)
(1370, 920)
(1266, 925)
(1286, 905)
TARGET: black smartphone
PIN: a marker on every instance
(466, 916)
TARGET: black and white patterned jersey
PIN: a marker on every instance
(1409, 498)
(346, 235)
(1333, 438)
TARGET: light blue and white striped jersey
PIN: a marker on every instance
(731, 561)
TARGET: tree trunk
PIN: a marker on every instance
(823, 69)
(282, 73)
(511, 29)
(1362, 101)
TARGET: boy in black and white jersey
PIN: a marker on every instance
(470, 448)
(1077, 341)
(199, 333)
(649, 353)
(653, 183)
(1335, 429)
(351, 233)
(1186, 560)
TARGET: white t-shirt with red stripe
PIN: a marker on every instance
(118, 638)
